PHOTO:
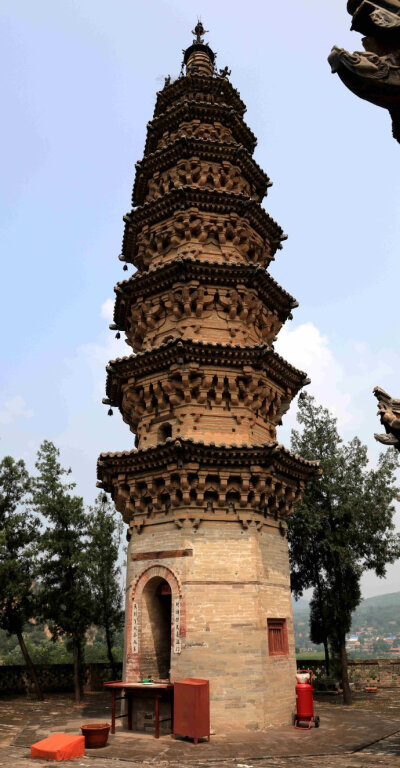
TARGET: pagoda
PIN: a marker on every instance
(207, 491)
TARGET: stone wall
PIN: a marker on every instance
(382, 672)
(53, 677)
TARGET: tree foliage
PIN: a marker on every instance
(58, 566)
(104, 540)
(65, 588)
(342, 527)
(18, 529)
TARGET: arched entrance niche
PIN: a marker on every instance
(155, 622)
(155, 657)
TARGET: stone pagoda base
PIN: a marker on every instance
(224, 582)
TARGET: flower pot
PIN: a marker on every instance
(96, 734)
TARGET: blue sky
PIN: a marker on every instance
(78, 84)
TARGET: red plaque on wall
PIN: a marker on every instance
(192, 708)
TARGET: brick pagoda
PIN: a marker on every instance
(207, 491)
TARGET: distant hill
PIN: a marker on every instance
(379, 615)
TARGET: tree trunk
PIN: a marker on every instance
(81, 671)
(347, 698)
(77, 677)
(327, 659)
(109, 650)
(29, 664)
(319, 593)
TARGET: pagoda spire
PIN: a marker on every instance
(199, 31)
(199, 58)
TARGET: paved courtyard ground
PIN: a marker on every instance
(367, 734)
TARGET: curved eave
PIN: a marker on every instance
(216, 86)
(181, 351)
(380, 84)
(382, 94)
(199, 110)
(204, 149)
(204, 200)
(182, 270)
(178, 452)
(367, 23)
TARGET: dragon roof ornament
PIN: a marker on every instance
(373, 74)
(389, 412)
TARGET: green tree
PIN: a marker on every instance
(65, 590)
(320, 620)
(18, 529)
(104, 532)
(379, 646)
(342, 527)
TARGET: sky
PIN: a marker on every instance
(78, 84)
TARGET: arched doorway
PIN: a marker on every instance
(155, 660)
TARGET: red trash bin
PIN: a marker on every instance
(192, 708)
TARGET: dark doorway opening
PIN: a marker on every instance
(164, 432)
(156, 629)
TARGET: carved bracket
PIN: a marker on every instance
(159, 243)
(159, 318)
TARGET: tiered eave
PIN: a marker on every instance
(202, 312)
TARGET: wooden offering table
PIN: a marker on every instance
(130, 691)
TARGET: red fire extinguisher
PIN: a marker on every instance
(305, 700)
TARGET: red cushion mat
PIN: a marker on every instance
(59, 746)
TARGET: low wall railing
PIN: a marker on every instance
(382, 672)
(59, 677)
(54, 677)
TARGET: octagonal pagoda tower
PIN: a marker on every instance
(207, 491)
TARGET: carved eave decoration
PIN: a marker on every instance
(213, 87)
(206, 113)
(185, 482)
(376, 18)
(204, 200)
(373, 75)
(182, 352)
(186, 269)
(203, 149)
(179, 451)
(389, 412)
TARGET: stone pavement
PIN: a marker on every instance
(348, 737)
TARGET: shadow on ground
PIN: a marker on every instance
(363, 735)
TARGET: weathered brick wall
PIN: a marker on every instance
(232, 580)
(53, 677)
(143, 717)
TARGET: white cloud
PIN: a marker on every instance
(14, 409)
(307, 349)
(107, 310)
(342, 379)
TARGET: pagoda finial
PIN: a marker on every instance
(199, 58)
(199, 31)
